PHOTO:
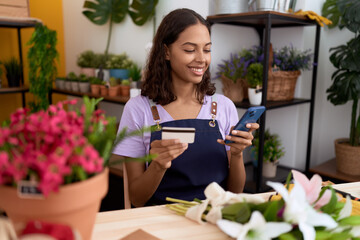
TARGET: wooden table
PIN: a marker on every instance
(165, 224)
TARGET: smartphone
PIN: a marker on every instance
(251, 115)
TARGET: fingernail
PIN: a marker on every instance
(234, 132)
(184, 144)
(248, 125)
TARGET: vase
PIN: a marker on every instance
(13, 80)
(104, 75)
(60, 84)
(233, 90)
(255, 96)
(227, 6)
(90, 72)
(75, 86)
(347, 157)
(119, 73)
(269, 169)
(74, 205)
(67, 85)
(84, 87)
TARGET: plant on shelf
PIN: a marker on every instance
(95, 84)
(100, 12)
(87, 59)
(120, 61)
(254, 78)
(272, 152)
(291, 59)
(65, 155)
(13, 72)
(135, 72)
(42, 66)
(346, 79)
(84, 83)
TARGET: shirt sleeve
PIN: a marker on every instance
(133, 118)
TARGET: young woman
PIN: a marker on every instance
(177, 92)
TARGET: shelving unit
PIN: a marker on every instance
(263, 22)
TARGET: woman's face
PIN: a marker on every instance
(190, 54)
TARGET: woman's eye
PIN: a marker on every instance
(189, 50)
(207, 50)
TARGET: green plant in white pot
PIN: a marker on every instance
(272, 152)
(254, 77)
(346, 80)
(87, 61)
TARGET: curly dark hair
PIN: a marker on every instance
(158, 82)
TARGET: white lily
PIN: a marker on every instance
(257, 228)
(298, 211)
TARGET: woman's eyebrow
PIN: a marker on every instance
(194, 44)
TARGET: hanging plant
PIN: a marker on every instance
(42, 65)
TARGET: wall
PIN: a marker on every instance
(291, 123)
(50, 12)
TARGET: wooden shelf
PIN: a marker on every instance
(328, 169)
(117, 99)
(14, 90)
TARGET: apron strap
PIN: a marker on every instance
(213, 110)
(155, 114)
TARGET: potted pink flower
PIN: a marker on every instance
(53, 163)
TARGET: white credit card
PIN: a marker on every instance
(186, 135)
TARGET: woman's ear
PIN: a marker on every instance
(167, 52)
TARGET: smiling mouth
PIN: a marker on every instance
(197, 70)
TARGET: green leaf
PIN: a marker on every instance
(272, 210)
(351, 220)
(331, 205)
(100, 11)
(142, 10)
(330, 11)
(239, 212)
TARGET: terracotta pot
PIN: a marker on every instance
(269, 169)
(124, 90)
(75, 205)
(114, 91)
(347, 157)
(104, 90)
(234, 91)
(95, 89)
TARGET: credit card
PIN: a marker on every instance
(185, 135)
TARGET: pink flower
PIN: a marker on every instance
(312, 189)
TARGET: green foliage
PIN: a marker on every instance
(95, 80)
(42, 66)
(120, 61)
(273, 149)
(346, 58)
(254, 75)
(83, 78)
(102, 60)
(72, 77)
(87, 59)
(135, 72)
(13, 67)
(125, 82)
(101, 11)
(113, 81)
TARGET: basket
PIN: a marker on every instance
(234, 91)
(281, 84)
(347, 157)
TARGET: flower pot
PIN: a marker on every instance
(67, 85)
(60, 84)
(255, 96)
(227, 6)
(84, 87)
(347, 157)
(75, 86)
(125, 90)
(104, 90)
(232, 90)
(90, 72)
(119, 73)
(13, 80)
(95, 89)
(269, 169)
(114, 91)
(75, 205)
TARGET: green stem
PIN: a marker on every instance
(109, 37)
(180, 201)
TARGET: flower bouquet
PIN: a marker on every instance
(303, 210)
(57, 158)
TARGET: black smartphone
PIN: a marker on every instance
(251, 115)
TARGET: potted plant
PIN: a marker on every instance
(42, 65)
(13, 72)
(84, 84)
(72, 82)
(135, 75)
(87, 61)
(285, 67)
(95, 84)
(62, 157)
(104, 88)
(60, 83)
(272, 152)
(125, 88)
(102, 64)
(114, 87)
(254, 78)
(346, 80)
(120, 65)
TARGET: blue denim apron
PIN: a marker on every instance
(204, 161)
